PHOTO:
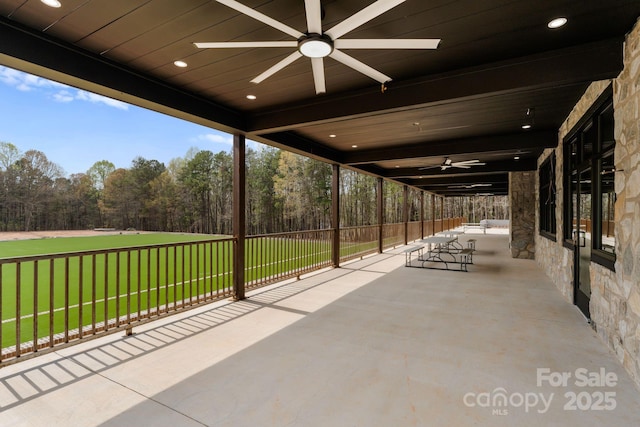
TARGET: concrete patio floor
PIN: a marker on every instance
(372, 343)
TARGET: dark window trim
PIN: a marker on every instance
(604, 259)
(547, 221)
(589, 114)
(598, 256)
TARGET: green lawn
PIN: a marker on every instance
(99, 286)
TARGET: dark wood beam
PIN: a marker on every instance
(36, 53)
(491, 167)
(292, 141)
(476, 145)
(582, 63)
(502, 187)
(479, 178)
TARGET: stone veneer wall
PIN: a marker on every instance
(522, 224)
(615, 298)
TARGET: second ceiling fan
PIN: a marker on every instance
(447, 163)
(317, 44)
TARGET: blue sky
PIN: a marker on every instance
(75, 128)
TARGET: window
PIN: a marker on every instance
(548, 197)
(589, 191)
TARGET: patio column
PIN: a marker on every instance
(442, 213)
(422, 214)
(239, 215)
(522, 205)
(380, 209)
(405, 212)
(335, 214)
(433, 214)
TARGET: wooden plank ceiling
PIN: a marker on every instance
(465, 100)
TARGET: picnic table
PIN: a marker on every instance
(440, 249)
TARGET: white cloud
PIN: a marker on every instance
(96, 99)
(216, 138)
(27, 82)
(63, 96)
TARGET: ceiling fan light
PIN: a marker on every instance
(52, 3)
(315, 46)
(557, 22)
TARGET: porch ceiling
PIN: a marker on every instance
(465, 100)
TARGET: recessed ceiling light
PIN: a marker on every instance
(397, 166)
(354, 146)
(251, 97)
(333, 135)
(52, 3)
(527, 126)
(557, 23)
(516, 158)
(180, 64)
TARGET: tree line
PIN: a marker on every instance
(284, 192)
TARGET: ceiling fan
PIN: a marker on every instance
(466, 164)
(470, 186)
(317, 44)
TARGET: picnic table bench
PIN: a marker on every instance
(479, 225)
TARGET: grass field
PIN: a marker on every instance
(105, 279)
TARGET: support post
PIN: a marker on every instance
(442, 213)
(335, 214)
(380, 209)
(422, 214)
(433, 214)
(239, 216)
(405, 212)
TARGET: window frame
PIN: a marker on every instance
(547, 221)
(601, 147)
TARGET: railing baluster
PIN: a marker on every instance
(138, 284)
(66, 299)
(158, 281)
(175, 276)
(118, 263)
(93, 294)
(35, 306)
(106, 291)
(51, 301)
(80, 295)
(166, 280)
(148, 250)
(18, 302)
(128, 287)
(183, 277)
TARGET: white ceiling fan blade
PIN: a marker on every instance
(386, 43)
(447, 161)
(468, 162)
(279, 66)
(317, 66)
(359, 66)
(359, 18)
(236, 45)
(261, 17)
(460, 166)
(314, 16)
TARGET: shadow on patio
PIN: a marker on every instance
(370, 344)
